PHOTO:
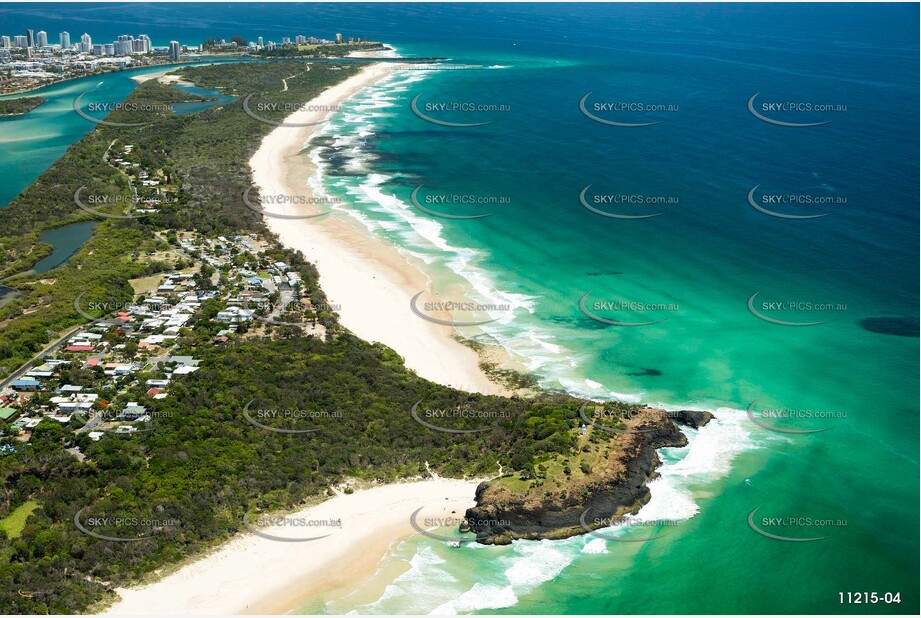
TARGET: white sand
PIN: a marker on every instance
(255, 575)
(155, 75)
(372, 283)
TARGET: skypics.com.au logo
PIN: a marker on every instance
(790, 113)
(428, 111)
(290, 528)
(616, 113)
(122, 528)
(596, 308)
(273, 204)
(149, 111)
(437, 417)
(428, 310)
(284, 420)
(435, 204)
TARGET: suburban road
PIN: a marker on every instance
(48, 350)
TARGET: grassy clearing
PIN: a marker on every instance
(14, 523)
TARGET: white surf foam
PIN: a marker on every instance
(481, 596)
(536, 562)
(595, 546)
(708, 457)
(426, 579)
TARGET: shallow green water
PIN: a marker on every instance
(706, 255)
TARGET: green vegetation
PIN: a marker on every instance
(202, 466)
(101, 269)
(19, 253)
(207, 153)
(557, 471)
(13, 524)
(16, 107)
(318, 51)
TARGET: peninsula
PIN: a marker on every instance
(189, 311)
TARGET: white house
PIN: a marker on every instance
(234, 315)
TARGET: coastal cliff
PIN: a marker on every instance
(606, 479)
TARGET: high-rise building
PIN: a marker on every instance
(86, 43)
(21, 41)
(143, 44)
(338, 37)
(124, 46)
(30, 38)
(286, 40)
(259, 42)
(174, 51)
(64, 40)
(110, 49)
(301, 39)
(98, 50)
(5, 42)
(41, 39)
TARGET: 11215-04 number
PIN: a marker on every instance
(855, 598)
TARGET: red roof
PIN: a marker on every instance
(92, 361)
(154, 391)
(79, 348)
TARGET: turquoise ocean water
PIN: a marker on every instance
(705, 255)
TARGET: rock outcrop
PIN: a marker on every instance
(509, 508)
(691, 418)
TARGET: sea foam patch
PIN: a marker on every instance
(536, 562)
(414, 591)
(595, 546)
(527, 564)
(708, 457)
(423, 238)
(481, 596)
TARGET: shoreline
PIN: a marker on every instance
(16, 94)
(254, 575)
(371, 282)
(140, 79)
(249, 574)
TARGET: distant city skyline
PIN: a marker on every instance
(127, 44)
(31, 60)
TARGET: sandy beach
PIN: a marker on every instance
(256, 575)
(162, 76)
(371, 283)
(149, 76)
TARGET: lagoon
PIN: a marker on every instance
(66, 240)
